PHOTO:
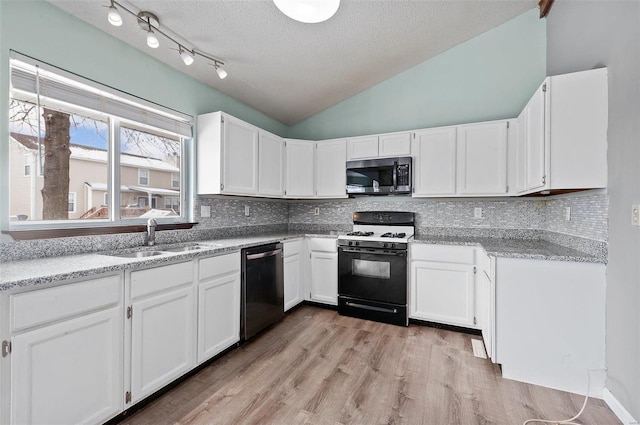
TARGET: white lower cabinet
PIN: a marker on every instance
(323, 270)
(443, 284)
(66, 370)
(485, 300)
(218, 304)
(292, 273)
(162, 327)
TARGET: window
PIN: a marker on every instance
(27, 165)
(172, 203)
(149, 141)
(143, 177)
(71, 204)
(175, 181)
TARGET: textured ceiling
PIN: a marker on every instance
(289, 70)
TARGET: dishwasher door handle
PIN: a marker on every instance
(264, 254)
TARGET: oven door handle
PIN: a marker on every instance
(359, 251)
(371, 307)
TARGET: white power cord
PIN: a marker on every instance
(570, 420)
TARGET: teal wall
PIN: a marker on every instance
(491, 76)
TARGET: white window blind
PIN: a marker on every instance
(55, 87)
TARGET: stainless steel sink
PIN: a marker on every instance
(139, 254)
(185, 248)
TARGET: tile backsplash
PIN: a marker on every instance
(533, 218)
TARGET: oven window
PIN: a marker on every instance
(367, 268)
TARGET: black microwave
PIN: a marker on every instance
(380, 176)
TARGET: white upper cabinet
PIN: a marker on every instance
(240, 150)
(299, 161)
(434, 162)
(383, 145)
(362, 147)
(270, 165)
(482, 159)
(396, 144)
(562, 134)
(227, 155)
(330, 174)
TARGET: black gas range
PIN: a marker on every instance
(372, 266)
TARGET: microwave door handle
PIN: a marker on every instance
(395, 175)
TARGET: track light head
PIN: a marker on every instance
(114, 17)
(152, 40)
(186, 56)
(221, 72)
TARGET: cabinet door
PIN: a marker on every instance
(521, 152)
(299, 172)
(362, 147)
(395, 145)
(292, 281)
(324, 277)
(443, 293)
(218, 315)
(271, 165)
(435, 162)
(482, 158)
(535, 140)
(70, 372)
(484, 303)
(240, 157)
(162, 341)
(330, 169)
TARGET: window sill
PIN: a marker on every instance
(25, 235)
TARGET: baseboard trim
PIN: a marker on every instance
(617, 408)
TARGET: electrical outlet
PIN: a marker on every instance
(477, 212)
(635, 215)
(316, 211)
(246, 210)
(567, 213)
(205, 211)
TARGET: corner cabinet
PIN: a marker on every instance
(315, 169)
(299, 160)
(442, 284)
(562, 134)
(330, 173)
(270, 165)
(66, 362)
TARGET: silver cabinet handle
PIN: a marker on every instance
(264, 254)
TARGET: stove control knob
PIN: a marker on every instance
(385, 245)
(393, 245)
(356, 243)
(350, 243)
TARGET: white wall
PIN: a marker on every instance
(590, 34)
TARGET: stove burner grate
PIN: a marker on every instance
(393, 235)
(360, 233)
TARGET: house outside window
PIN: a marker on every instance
(150, 141)
(172, 203)
(143, 177)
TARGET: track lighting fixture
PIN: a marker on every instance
(151, 24)
(114, 16)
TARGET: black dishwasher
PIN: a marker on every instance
(262, 288)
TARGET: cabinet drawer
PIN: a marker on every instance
(219, 265)
(443, 253)
(46, 305)
(144, 282)
(292, 247)
(323, 244)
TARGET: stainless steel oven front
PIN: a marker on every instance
(372, 284)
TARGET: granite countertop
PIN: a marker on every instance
(43, 271)
(517, 248)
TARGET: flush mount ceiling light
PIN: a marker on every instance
(308, 11)
(150, 23)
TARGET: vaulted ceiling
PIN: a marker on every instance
(289, 70)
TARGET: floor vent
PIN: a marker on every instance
(478, 348)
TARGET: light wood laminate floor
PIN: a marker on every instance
(316, 367)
